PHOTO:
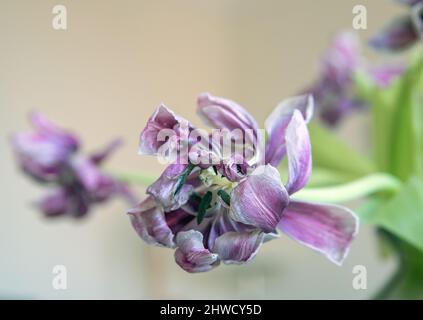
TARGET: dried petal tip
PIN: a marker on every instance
(191, 254)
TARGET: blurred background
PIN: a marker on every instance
(103, 77)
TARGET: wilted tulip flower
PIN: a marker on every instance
(404, 31)
(225, 210)
(50, 155)
(334, 91)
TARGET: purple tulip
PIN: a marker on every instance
(333, 91)
(225, 212)
(403, 32)
(49, 154)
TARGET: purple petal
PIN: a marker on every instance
(234, 169)
(385, 75)
(150, 223)
(238, 247)
(99, 156)
(87, 173)
(162, 119)
(191, 254)
(163, 190)
(43, 126)
(342, 58)
(417, 16)
(278, 121)
(56, 203)
(328, 229)
(226, 114)
(43, 153)
(398, 35)
(260, 199)
(409, 2)
(298, 148)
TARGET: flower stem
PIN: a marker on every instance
(378, 182)
(142, 180)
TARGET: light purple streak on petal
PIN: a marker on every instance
(278, 121)
(191, 254)
(225, 114)
(87, 173)
(298, 148)
(328, 229)
(45, 127)
(38, 156)
(163, 190)
(162, 118)
(238, 247)
(150, 223)
(398, 35)
(385, 75)
(342, 58)
(260, 199)
(222, 223)
(99, 156)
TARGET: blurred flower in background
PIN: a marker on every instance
(335, 90)
(49, 155)
(403, 32)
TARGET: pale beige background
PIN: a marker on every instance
(103, 77)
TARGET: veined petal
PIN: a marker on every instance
(278, 121)
(298, 148)
(398, 35)
(328, 229)
(163, 118)
(238, 247)
(342, 57)
(149, 222)
(45, 127)
(163, 190)
(260, 199)
(191, 254)
(224, 114)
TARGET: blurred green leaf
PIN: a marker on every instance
(403, 214)
(406, 132)
(332, 153)
(407, 281)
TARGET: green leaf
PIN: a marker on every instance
(331, 153)
(204, 205)
(403, 214)
(183, 177)
(407, 281)
(325, 177)
(225, 196)
(407, 126)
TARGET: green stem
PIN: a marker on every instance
(378, 182)
(141, 180)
